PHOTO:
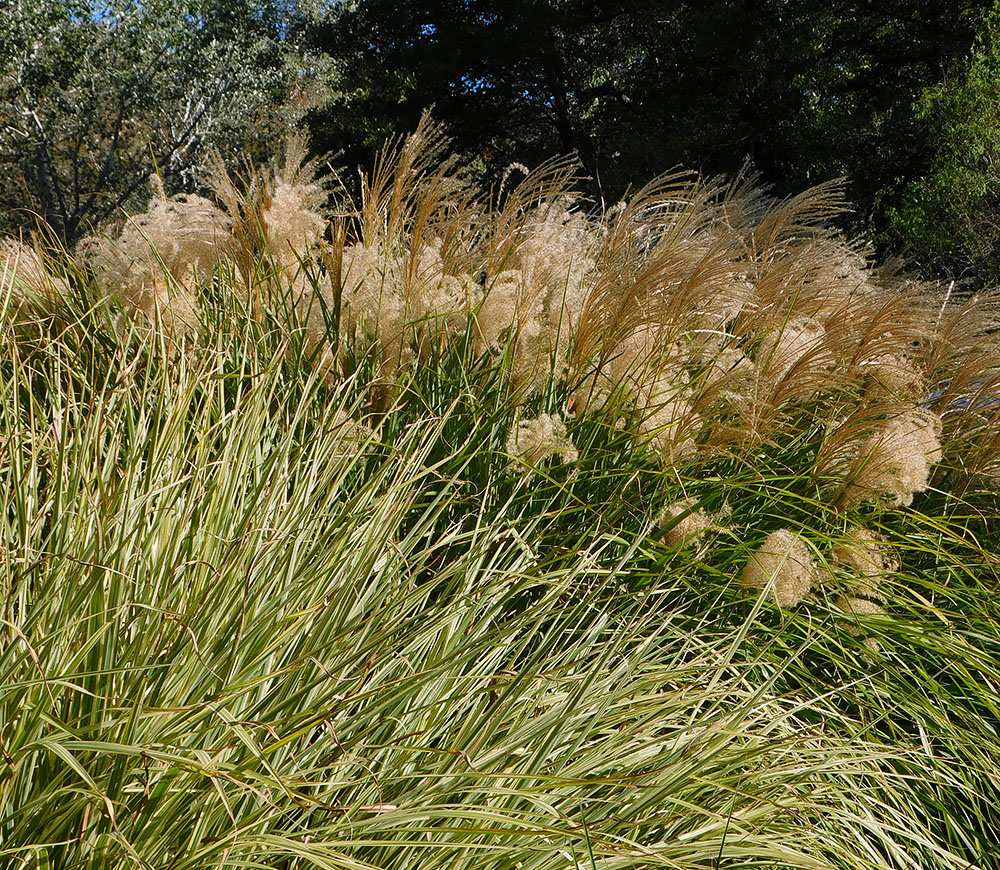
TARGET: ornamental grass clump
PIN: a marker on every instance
(403, 266)
(370, 570)
(705, 317)
(277, 216)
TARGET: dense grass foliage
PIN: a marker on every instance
(282, 589)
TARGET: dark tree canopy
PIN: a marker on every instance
(892, 95)
(806, 91)
(948, 218)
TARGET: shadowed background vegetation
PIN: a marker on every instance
(897, 97)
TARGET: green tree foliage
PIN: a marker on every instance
(511, 81)
(950, 216)
(92, 93)
(807, 90)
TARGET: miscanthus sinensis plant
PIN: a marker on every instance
(436, 531)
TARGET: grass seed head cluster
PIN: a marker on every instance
(532, 441)
(783, 565)
(707, 317)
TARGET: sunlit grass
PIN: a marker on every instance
(254, 617)
(452, 533)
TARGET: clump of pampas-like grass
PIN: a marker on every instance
(706, 318)
(277, 216)
(404, 268)
(367, 502)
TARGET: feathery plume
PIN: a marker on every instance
(535, 440)
(532, 307)
(866, 555)
(897, 374)
(783, 564)
(161, 256)
(292, 205)
(853, 608)
(895, 462)
(785, 347)
(291, 223)
(668, 426)
(686, 524)
(30, 281)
